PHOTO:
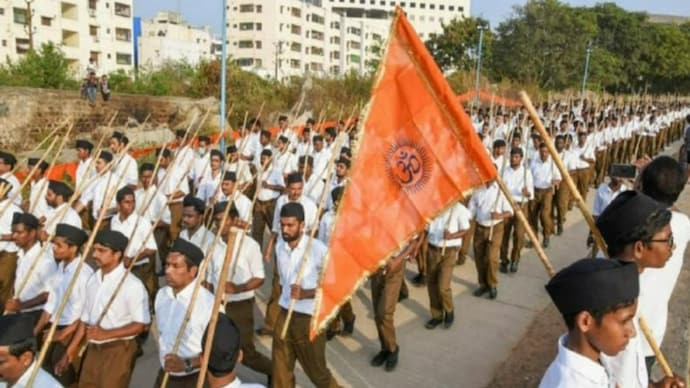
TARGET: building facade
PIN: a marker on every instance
(82, 29)
(284, 38)
(168, 38)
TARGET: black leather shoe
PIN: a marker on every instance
(480, 291)
(503, 268)
(545, 244)
(448, 320)
(513, 267)
(559, 230)
(419, 280)
(380, 358)
(493, 293)
(331, 333)
(348, 328)
(432, 323)
(392, 360)
(529, 245)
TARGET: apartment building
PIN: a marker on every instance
(83, 29)
(284, 38)
(167, 37)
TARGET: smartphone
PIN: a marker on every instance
(627, 171)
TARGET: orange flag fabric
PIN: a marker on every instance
(418, 153)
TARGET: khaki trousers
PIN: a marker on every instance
(385, 289)
(439, 273)
(272, 307)
(345, 314)
(466, 243)
(175, 220)
(145, 273)
(515, 229)
(54, 354)
(583, 180)
(297, 347)
(421, 256)
(108, 365)
(263, 218)
(540, 209)
(486, 254)
(242, 313)
(560, 203)
(8, 267)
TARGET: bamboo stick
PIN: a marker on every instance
(32, 206)
(655, 347)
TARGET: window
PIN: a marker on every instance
(317, 19)
(451, 8)
(246, 26)
(413, 5)
(122, 10)
(22, 45)
(2, 12)
(46, 21)
(257, 44)
(432, 6)
(4, 43)
(123, 59)
(296, 47)
(246, 44)
(20, 15)
(422, 5)
(246, 8)
(258, 10)
(296, 12)
(258, 26)
(294, 63)
(295, 29)
(123, 34)
(244, 62)
(441, 7)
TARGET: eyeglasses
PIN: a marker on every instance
(668, 240)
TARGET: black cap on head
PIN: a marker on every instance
(205, 139)
(15, 328)
(294, 177)
(626, 213)
(192, 201)
(499, 143)
(310, 121)
(118, 135)
(594, 285)
(226, 346)
(165, 151)
(266, 152)
(33, 161)
(8, 158)
(112, 239)
(146, 167)
(180, 133)
(307, 160)
(217, 154)
(344, 161)
(105, 156)
(190, 250)
(73, 235)
(332, 132)
(60, 189)
(516, 151)
(230, 176)
(231, 149)
(318, 138)
(221, 206)
(282, 118)
(283, 139)
(27, 219)
(84, 144)
(292, 209)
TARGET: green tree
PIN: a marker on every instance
(45, 68)
(456, 47)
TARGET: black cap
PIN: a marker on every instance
(310, 121)
(283, 139)
(165, 151)
(221, 206)
(516, 151)
(282, 118)
(26, 219)
(204, 138)
(84, 144)
(292, 209)
(118, 135)
(318, 138)
(106, 156)
(344, 161)
(33, 161)
(191, 251)
(112, 239)
(266, 152)
(196, 203)
(626, 213)
(72, 234)
(231, 149)
(230, 176)
(147, 167)
(180, 133)
(60, 188)
(217, 153)
(594, 285)
(15, 328)
(499, 143)
(8, 158)
(226, 346)
(294, 177)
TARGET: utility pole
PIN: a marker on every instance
(279, 49)
(584, 78)
(479, 63)
(29, 23)
(223, 75)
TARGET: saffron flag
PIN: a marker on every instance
(417, 154)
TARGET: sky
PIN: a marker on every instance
(203, 12)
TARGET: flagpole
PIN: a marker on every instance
(223, 75)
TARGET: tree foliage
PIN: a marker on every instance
(457, 47)
(45, 68)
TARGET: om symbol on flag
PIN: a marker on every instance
(408, 165)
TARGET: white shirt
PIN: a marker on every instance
(241, 169)
(43, 270)
(184, 160)
(58, 285)
(131, 304)
(272, 176)
(604, 197)
(454, 219)
(657, 284)
(209, 186)
(43, 379)
(321, 162)
(98, 190)
(326, 226)
(286, 162)
(309, 212)
(63, 214)
(249, 265)
(241, 202)
(483, 203)
(202, 237)
(8, 176)
(201, 168)
(136, 229)
(6, 224)
(85, 170)
(573, 370)
(127, 169)
(37, 198)
(544, 173)
(156, 202)
(170, 313)
(517, 179)
(586, 152)
(627, 368)
(289, 261)
(313, 188)
(174, 181)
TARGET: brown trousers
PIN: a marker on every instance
(385, 289)
(272, 307)
(466, 243)
(162, 237)
(540, 209)
(263, 218)
(421, 256)
(598, 167)
(188, 381)
(8, 267)
(242, 313)
(583, 180)
(108, 365)
(56, 350)
(561, 199)
(486, 254)
(175, 220)
(345, 314)
(297, 347)
(515, 229)
(439, 273)
(145, 273)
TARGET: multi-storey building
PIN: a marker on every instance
(168, 38)
(83, 29)
(283, 38)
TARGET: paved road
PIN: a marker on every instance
(466, 355)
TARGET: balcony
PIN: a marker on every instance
(123, 59)
(123, 10)
(70, 38)
(69, 11)
(295, 29)
(123, 34)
